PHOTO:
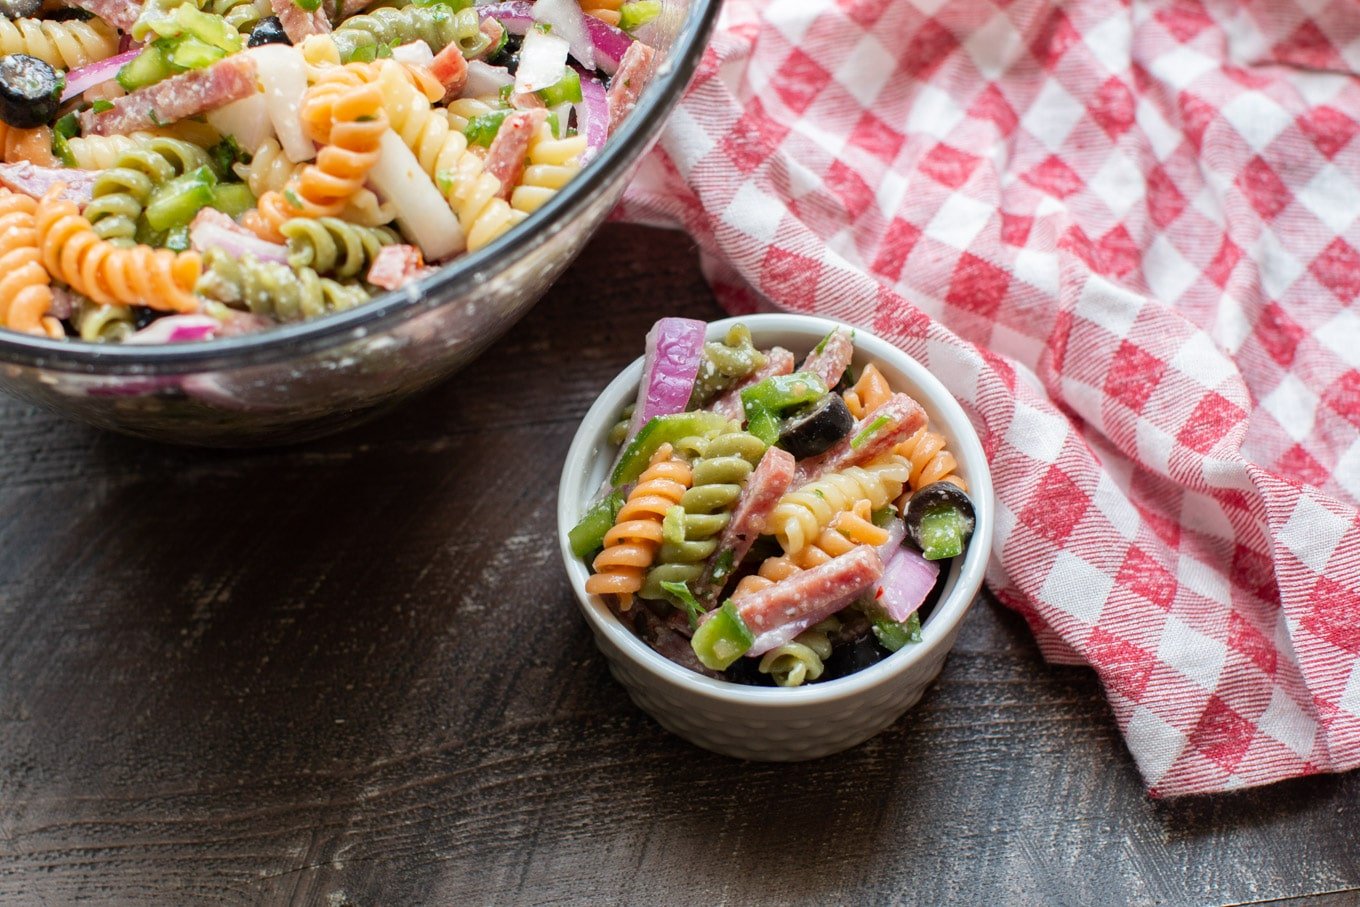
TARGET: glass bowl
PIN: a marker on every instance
(309, 379)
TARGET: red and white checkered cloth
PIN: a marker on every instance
(1125, 235)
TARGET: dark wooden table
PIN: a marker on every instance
(352, 672)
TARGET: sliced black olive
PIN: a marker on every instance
(30, 91)
(268, 31)
(508, 55)
(852, 657)
(68, 14)
(815, 428)
(746, 671)
(940, 520)
(143, 316)
(19, 9)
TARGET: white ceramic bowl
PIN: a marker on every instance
(765, 723)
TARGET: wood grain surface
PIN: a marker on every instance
(352, 673)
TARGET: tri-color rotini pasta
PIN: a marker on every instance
(217, 157)
(805, 542)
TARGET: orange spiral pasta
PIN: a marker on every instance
(930, 459)
(25, 291)
(631, 545)
(604, 10)
(344, 112)
(846, 532)
(74, 254)
(869, 393)
(34, 145)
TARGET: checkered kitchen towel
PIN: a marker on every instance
(1125, 234)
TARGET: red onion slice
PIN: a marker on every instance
(212, 229)
(176, 329)
(515, 15)
(78, 81)
(610, 44)
(907, 580)
(592, 116)
(675, 347)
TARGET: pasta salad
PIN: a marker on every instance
(771, 521)
(175, 170)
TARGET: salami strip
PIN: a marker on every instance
(505, 159)
(34, 181)
(764, 487)
(778, 361)
(780, 612)
(395, 266)
(175, 98)
(298, 23)
(635, 71)
(831, 357)
(121, 14)
(877, 433)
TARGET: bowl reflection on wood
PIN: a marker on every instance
(776, 724)
(305, 380)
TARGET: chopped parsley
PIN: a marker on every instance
(874, 426)
(723, 565)
(686, 600)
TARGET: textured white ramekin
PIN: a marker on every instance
(773, 723)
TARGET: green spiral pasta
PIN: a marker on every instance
(329, 245)
(802, 659)
(691, 529)
(121, 192)
(97, 323)
(241, 15)
(726, 362)
(274, 290)
(438, 26)
(619, 433)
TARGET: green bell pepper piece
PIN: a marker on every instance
(177, 240)
(635, 15)
(944, 531)
(175, 203)
(481, 130)
(66, 127)
(208, 28)
(233, 199)
(147, 68)
(661, 430)
(723, 638)
(893, 635)
(188, 52)
(765, 403)
(588, 535)
(563, 91)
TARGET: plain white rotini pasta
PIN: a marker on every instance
(461, 110)
(442, 150)
(552, 164)
(100, 152)
(423, 129)
(64, 44)
(802, 514)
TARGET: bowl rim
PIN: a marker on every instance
(936, 633)
(290, 341)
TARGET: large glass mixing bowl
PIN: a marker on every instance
(309, 379)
